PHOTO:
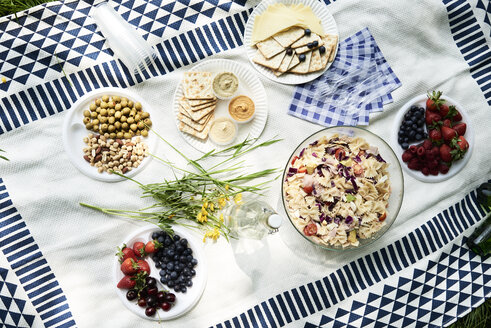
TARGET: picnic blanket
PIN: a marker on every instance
(56, 258)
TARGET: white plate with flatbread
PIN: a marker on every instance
(249, 85)
(328, 24)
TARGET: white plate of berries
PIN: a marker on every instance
(433, 138)
(160, 276)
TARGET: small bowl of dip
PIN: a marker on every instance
(223, 131)
(242, 109)
(225, 85)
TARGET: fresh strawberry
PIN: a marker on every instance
(143, 266)
(460, 146)
(435, 135)
(460, 128)
(444, 110)
(433, 102)
(152, 246)
(447, 123)
(139, 249)
(443, 168)
(129, 267)
(463, 144)
(448, 133)
(432, 117)
(127, 282)
(427, 144)
(125, 253)
(445, 154)
(454, 114)
(407, 156)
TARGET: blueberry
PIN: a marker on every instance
(179, 249)
(289, 51)
(189, 283)
(405, 145)
(190, 265)
(176, 238)
(406, 139)
(194, 261)
(162, 280)
(310, 45)
(414, 108)
(170, 283)
(419, 137)
(170, 253)
(183, 259)
(302, 57)
(322, 49)
(173, 275)
(167, 241)
(176, 257)
(160, 239)
(189, 258)
(170, 266)
(184, 241)
(193, 272)
(419, 130)
(188, 251)
(400, 140)
(421, 122)
(162, 273)
(155, 258)
(414, 126)
(157, 265)
(172, 247)
(155, 235)
(183, 289)
(307, 32)
(315, 44)
(421, 110)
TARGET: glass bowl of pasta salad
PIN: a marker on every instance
(342, 188)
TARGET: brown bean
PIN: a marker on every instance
(119, 142)
(87, 158)
(97, 158)
(129, 144)
(105, 149)
(128, 156)
(98, 150)
(125, 169)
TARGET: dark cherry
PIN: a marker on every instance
(165, 306)
(150, 311)
(151, 300)
(151, 281)
(161, 297)
(142, 302)
(131, 295)
(170, 297)
(153, 291)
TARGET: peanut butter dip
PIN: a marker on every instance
(241, 108)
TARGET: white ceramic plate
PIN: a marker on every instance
(74, 131)
(420, 101)
(184, 301)
(249, 85)
(328, 23)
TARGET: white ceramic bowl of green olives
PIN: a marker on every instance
(119, 113)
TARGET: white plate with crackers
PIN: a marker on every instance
(278, 57)
(195, 117)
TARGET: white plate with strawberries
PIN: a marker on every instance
(447, 137)
(131, 269)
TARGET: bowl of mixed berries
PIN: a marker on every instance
(434, 137)
(160, 275)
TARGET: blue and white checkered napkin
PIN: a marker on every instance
(359, 82)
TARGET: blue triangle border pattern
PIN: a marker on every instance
(31, 267)
(316, 296)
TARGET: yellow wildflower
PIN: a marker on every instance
(4, 80)
(212, 207)
(201, 217)
(226, 187)
(222, 202)
(205, 212)
(212, 234)
(238, 199)
(221, 217)
(205, 204)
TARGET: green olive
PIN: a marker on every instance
(125, 126)
(148, 122)
(130, 104)
(137, 117)
(111, 112)
(127, 135)
(110, 104)
(103, 119)
(117, 115)
(88, 126)
(138, 106)
(86, 120)
(93, 114)
(86, 113)
(92, 107)
(120, 135)
(117, 125)
(103, 104)
(130, 120)
(117, 107)
(133, 112)
(103, 112)
(98, 102)
(112, 135)
(138, 132)
(111, 128)
(105, 98)
(111, 119)
(133, 127)
(104, 127)
(126, 110)
(98, 110)
(144, 133)
(141, 125)
(116, 99)
(124, 102)
(145, 115)
(123, 118)
(95, 122)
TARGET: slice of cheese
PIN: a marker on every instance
(279, 17)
